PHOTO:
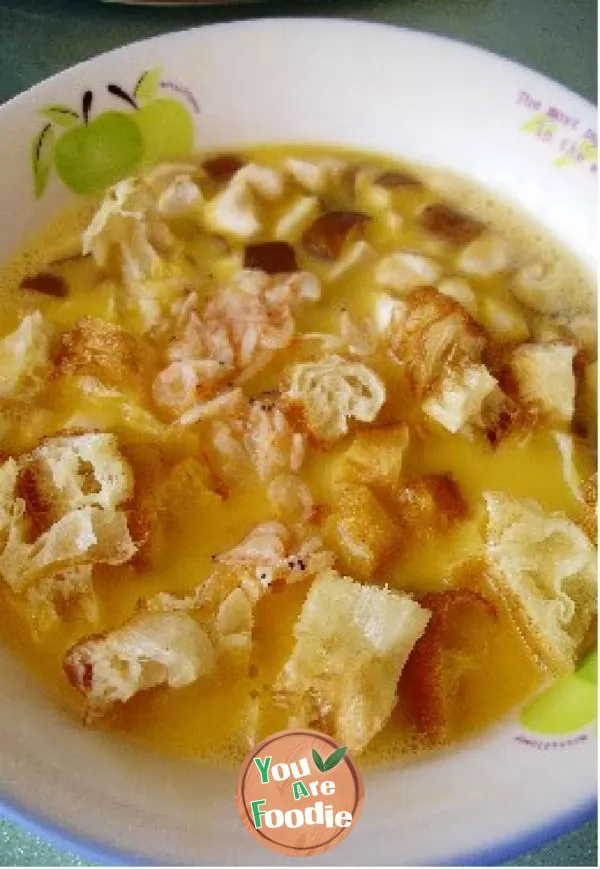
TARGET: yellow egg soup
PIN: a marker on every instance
(345, 353)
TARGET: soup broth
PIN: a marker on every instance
(423, 534)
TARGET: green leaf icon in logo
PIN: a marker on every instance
(147, 86)
(41, 158)
(319, 763)
(332, 761)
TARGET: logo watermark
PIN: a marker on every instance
(299, 792)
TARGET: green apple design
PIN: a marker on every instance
(567, 705)
(165, 124)
(89, 154)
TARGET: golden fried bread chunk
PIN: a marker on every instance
(360, 531)
(149, 650)
(97, 348)
(352, 642)
(60, 510)
(545, 568)
(431, 678)
(431, 335)
(428, 505)
(333, 391)
(375, 457)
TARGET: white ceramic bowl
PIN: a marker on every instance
(370, 86)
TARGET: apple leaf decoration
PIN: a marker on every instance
(147, 87)
(86, 106)
(41, 158)
(61, 115)
(117, 91)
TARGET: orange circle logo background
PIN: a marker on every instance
(295, 749)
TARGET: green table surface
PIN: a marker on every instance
(556, 37)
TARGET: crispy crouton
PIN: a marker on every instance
(39, 504)
(59, 511)
(428, 505)
(545, 567)
(545, 378)
(149, 650)
(85, 536)
(98, 348)
(459, 397)
(361, 532)
(430, 334)
(66, 473)
(375, 457)
(502, 416)
(504, 412)
(332, 391)
(352, 642)
(431, 677)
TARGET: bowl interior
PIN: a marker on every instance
(372, 87)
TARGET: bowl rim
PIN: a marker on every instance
(311, 21)
(87, 848)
